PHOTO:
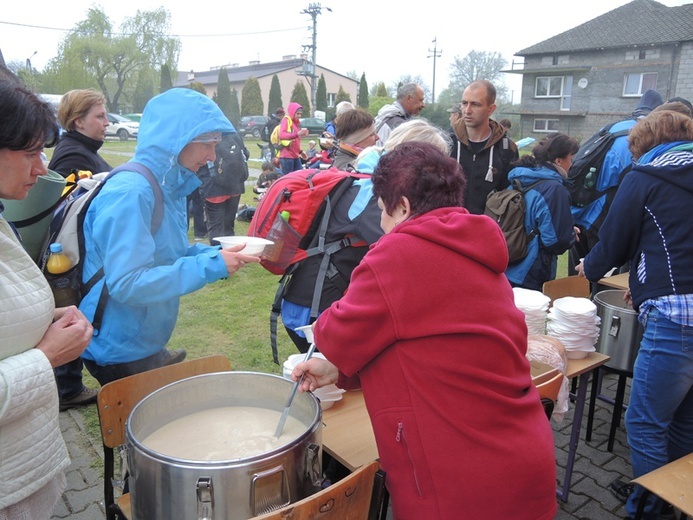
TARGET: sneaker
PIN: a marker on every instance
(85, 397)
(621, 489)
(174, 356)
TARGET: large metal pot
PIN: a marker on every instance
(620, 332)
(164, 487)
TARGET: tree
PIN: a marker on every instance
(144, 90)
(251, 98)
(300, 96)
(199, 87)
(363, 92)
(474, 66)
(165, 82)
(321, 95)
(113, 59)
(224, 93)
(235, 108)
(342, 95)
(275, 96)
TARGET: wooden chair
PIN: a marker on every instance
(672, 483)
(117, 399)
(347, 499)
(577, 286)
(549, 385)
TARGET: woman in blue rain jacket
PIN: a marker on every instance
(548, 220)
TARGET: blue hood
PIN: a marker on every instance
(527, 176)
(169, 122)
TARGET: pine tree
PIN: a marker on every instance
(165, 81)
(224, 92)
(363, 92)
(342, 95)
(321, 95)
(300, 96)
(251, 98)
(235, 116)
(275, 96)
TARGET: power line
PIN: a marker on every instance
(224, 35)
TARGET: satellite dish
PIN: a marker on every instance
(582, 83)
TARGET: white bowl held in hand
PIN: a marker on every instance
(254, 246)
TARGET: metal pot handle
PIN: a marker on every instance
(263, 501)
(615, 326)
(205, 498)
(313, 464)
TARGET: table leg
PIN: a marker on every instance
(574, 435)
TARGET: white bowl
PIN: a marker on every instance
(254, 246)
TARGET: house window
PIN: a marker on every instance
(635, 84)
(567, 93)
(331, 99)
(549, 86)
(546, 125)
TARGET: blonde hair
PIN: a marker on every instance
(658, 127)
(75, 104)
(418, 129)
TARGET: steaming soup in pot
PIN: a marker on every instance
(226, 433)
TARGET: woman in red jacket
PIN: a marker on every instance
(290, 133)
(429, 329)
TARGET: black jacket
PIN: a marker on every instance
(77, 151)
(476, 166)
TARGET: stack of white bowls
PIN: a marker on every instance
(574, 322)
(535, 306)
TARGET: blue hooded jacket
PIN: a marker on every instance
(548, 212)
(146, 275)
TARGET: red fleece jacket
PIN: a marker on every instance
(430, 328)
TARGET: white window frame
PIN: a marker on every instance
(551, 81)
(331, 98)
(641, 81)
(544, 127)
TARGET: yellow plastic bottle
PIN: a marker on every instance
(59, 269)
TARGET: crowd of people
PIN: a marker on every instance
(420, 189)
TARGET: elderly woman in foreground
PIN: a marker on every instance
(458, 424)
(649, 224)
(34, 336)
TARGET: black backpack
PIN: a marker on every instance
(507, 208)
(587, 163)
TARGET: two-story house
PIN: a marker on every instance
(593, 74)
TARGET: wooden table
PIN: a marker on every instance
(348, 434)
(618, 281)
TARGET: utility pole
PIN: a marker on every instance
(436, 54)
(313, 10)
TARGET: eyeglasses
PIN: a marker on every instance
(209, 137)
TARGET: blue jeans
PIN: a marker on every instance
(290, 165)
(659, 419)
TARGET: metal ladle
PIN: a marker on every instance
(308, 331)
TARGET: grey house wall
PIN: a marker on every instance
(602, 100)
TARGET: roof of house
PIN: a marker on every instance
(640, 22)
(241, 74)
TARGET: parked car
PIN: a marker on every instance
(313, 124)
(121, 127)
(252, 125)
(133, 117)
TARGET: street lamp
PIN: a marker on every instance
(28, 61)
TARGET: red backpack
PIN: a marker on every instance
(295, 214)
(295, 209)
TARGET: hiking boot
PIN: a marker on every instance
(84, 397)
(171, 357)
(621, 489)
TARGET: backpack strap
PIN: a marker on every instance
(326, 270)
(157, 218)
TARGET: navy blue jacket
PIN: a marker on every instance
(650, 224)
